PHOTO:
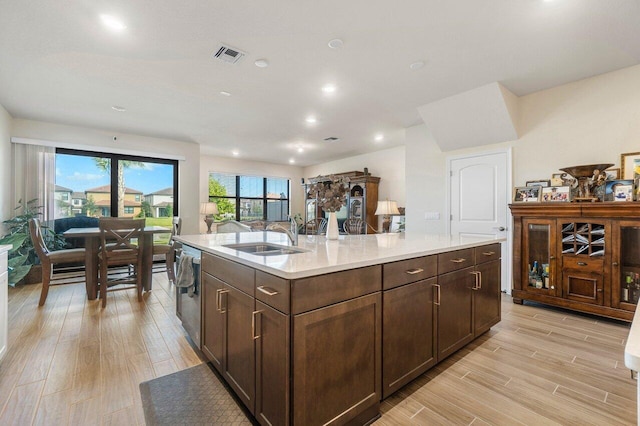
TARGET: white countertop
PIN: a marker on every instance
(5, 247)
(325, 256)
(632, 348)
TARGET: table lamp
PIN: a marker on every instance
(208, 209)
(385, 209)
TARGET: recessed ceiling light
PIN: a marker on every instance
(223, 93)
(311, 119)
(291, 161)
(235, 153)
(118, 108)
(379, 137)
(336, 43)
(261, 63)
(300, 149)
(113, 23)
(416, 65)
(328, 88)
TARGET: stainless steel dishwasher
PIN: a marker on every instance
(189, 307)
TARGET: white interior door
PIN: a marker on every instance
(479, 193)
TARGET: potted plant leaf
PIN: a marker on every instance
(22, 256)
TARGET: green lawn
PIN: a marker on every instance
(160, 221)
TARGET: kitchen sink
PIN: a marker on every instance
(265, 249)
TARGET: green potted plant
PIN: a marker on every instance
(22, 256)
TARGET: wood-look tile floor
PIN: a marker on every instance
(71, 362)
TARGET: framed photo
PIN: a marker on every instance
(613, 174)
(556, 179)
(628, 164)
(538, 183)
(525, 194)
(556, 194)
(618, 190)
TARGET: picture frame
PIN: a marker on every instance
(556, 179)
(618, 190)
(526, 194)
(613, 174)
(541, 182)
(627, 163)
(556, 194)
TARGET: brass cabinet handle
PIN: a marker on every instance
(437, 286)
(552, 257)
(489, 253)
(225, 307)
(615, 264)
(218, 299)
(475, 285)
(582, 263)
(599, 290)
(414, 271)
(479, 280)
(459, 260)
(267, 290)
(253, 325)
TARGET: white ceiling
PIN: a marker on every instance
(59, 64)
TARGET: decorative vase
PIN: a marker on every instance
(332, 227)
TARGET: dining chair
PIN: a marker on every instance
(169, 249)
(120, 245)
(354, 226)
(315, 226)
(50, 258)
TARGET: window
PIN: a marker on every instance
(249, 197)
(138, 187)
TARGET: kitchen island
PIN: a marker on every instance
(323, 335)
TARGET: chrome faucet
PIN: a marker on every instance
(292, 232)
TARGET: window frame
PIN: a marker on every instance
(115, 158)
(237, 197)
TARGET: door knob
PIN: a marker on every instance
(500, 228)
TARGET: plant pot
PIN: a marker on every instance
(34, 276)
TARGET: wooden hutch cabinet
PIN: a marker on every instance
(361, 201)
(581, 256)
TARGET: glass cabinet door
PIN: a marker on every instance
(625, 271)
(539, 256)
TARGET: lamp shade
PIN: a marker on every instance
(387, 207)
(208, 208)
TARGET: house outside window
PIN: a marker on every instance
(243, 197)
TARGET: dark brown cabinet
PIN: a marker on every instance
(408, 329)
(486, 297)
(271, 330)
(213, 323)
(588, 251)
(336, 354)
(455, 310)
(239, 345)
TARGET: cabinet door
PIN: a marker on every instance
(4, 283)
(272, 365)
(213, 321)
(455, 311)
(486, 297)
(539, 246)
(408, 336)
(336, 357)
(625, 265)
(239, 349)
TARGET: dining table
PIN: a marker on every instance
(91, 238)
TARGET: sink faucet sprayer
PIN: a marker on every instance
(292, 233)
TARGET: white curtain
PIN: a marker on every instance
(35, 177)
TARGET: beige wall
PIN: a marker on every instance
(188, 170)
(584, 122)
(252, 168)
(6, 176)
(388, 165)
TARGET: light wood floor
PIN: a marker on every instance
(70, 362)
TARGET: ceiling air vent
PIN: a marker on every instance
(331, 139)
(228, 54)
